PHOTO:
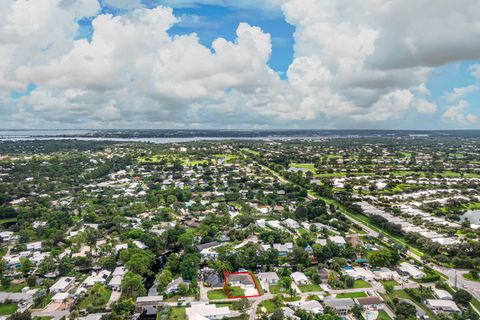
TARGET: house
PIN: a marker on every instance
(100, 277)
(341, 306)
(438, 306)
(117, 277)
(208, 311)
(290, 223)
(310, 306)
(386, 274)
(214, 281)
(372, 302)
(174, 285)
(289, 314)
(442, 294)
(338, 240)
(359, 273)
(122, 246)
(411, 270)
(355, 240)
(299, 278)
(241, 279)
(63, 284)
(269, 277)
(283, 249)
(60, 297)
(323, 274)
(34, 246)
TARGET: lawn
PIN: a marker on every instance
(389, 282)
(98, 296)
(310, 288)
(276, 289)
(309, 166)
(351, 295)
(43, 318)
(259, 287)
(7, 308)
(14, 287)
(469, 277)
(177, 313)
(216, 294)
(235, 291)
(269, 305)
(361, 284)
(383, 315)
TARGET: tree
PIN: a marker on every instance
(277, 314)
(405, 310)
(163, 279)
(26, 266)
(132, 285)
(242, 305)
(20, 316)
(462, 297)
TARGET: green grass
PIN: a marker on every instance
(259, 286)
(177, 313)
(8, 308)
(309, 166)
(351, 295)
(361, 284)
(276, 289)
(269, 305)
(389, 282)
(216, 294)
(310, 288)
(7, 220)
(96, 300)
(404, 295)
(469, 277)
(14, 287)
(43, 318)
(383, 315)
(234, 291)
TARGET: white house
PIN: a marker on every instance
(299, 278)
(411, 270)
(438, 305)
(34, 246)
(63, 284)
(209, 311)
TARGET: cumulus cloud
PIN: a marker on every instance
(460, 93)
(355, 62)
(475, 70)
(456, 113)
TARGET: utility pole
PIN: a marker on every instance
(456, 279)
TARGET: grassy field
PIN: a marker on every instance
(469, 277)
(351, 295)
(235, 291)
(216, 294)
(383, 315)
(269, 305)
(259, 286)
(96, 300)
(309, 166)
(177, 313)
(389, 282)
(310, 288)
(276, 289)
(13, 287)
(361, 284)
(7, 308)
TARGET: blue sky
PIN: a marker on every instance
(351, 64)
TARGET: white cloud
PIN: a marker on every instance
(474, 69)
(460, 93)
(425, 107)
(356, 62)
(456, 113)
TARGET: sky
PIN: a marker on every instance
(240, 64)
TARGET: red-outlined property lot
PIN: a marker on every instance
(245, 280)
